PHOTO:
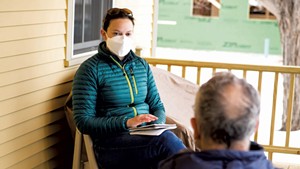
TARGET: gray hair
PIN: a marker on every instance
(227, 108)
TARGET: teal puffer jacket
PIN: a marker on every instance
(107, 92)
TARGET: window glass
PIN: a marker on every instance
(257, 11)
(84, 24)
(207, 8)
(87, 24)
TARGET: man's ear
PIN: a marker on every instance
(103, 34)
(194, 125)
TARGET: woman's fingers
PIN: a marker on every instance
(137, 120)
(147, 118)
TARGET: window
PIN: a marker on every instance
(209, 8)
(84, 24)
(257, 11)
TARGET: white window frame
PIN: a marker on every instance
(71, 59)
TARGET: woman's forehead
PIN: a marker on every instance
(120, 25)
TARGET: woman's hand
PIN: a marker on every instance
(137, 120)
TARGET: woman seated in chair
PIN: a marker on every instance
(113, 91)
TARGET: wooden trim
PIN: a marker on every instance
(290, 109)
(279, 149)
(154, 28)
(70, 34)
(265, 68)
(273, 108)
(78, 60)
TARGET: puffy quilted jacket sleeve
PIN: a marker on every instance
(153, 99)
(85, 87)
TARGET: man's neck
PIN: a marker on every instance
(242, 145)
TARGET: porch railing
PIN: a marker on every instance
(269, 82)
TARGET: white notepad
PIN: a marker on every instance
(151, 129)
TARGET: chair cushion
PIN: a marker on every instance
(177, 94)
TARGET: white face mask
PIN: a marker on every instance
(119, 45)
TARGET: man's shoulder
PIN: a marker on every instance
(180, 160)
(216, 158)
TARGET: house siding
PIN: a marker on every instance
(33, 84)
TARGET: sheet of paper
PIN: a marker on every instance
(152, 129)
(154, 126)
(155, 132)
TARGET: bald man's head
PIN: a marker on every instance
(227, 108)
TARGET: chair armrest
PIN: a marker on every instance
(90, 151)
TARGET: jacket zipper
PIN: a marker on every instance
(134, 82)
(128, 82)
